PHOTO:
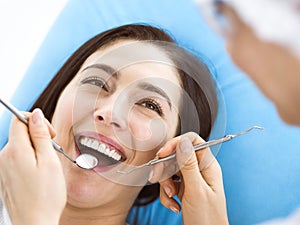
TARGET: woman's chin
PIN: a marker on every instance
(85, 194)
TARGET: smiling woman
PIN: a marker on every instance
(125, 96)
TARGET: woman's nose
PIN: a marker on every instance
(110, 115)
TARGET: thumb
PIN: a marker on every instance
(39, 133)
(188, 163)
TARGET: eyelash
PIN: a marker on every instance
(152, 105)
(95, 81)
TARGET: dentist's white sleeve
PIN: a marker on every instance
(4, 218)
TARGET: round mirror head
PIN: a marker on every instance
(87, 161)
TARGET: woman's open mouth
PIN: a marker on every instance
(107, 154)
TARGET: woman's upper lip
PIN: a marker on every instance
(104, 139)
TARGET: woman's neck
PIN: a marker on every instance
(94, 216)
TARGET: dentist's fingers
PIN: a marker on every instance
(18, 131)
(203, 158)
(49, 125)
(163, 170)
(14, 127)
(211, 174)
(168, 148)
(19, 142)
(170, 167)
(40, 135)
(51, 130)
(167, 191)
(171, 145)
(156, 172)
(188, 164)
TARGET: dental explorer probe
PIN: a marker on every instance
(196, 148)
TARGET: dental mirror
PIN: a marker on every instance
(84, 161)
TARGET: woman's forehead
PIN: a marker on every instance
(123, 53)
(134, 57)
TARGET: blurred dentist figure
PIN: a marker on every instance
(263, 39)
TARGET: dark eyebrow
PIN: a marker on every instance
(108, 69)
(150, 87)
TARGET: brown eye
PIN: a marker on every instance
(151, 104)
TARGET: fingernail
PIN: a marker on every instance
(159, 151)
(174, 209)
(37, 117)
(150, 175)
(168, 191)
(185, 145)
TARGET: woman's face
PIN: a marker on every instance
(121, 106)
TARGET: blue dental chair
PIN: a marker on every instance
(260, 170)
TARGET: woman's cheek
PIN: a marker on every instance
(82, 102)
(63, 113)
(147, 134)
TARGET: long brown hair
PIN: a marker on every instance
(195, 78)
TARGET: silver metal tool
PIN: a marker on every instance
(196, 147)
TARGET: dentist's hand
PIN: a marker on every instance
(200, 190)
(32, 184)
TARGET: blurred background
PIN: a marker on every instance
(24, 25)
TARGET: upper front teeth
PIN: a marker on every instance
(100, 147)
